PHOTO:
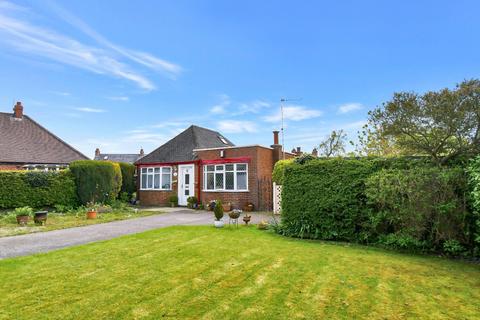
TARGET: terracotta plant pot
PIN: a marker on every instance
(22, 220)
(40, 217)
(227, 207)
(91, 214)
(246, 219)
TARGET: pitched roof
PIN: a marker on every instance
(25, 141)
(118, 157)
(180, 148)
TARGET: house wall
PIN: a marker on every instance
(156, 197)
(10, 166)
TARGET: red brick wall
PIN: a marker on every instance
(156, 197)
(10, 167)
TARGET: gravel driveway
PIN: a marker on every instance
(46, 241)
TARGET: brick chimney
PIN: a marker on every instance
(97, 152)
(142, 153)
(299, 151)
(18, 110)
(277, 148)
(315, 152)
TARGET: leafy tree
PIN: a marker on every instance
(333, 145)
(443, 124)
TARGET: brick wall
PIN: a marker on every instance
(4, 166)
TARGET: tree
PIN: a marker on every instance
(442, 124)
(333, 145)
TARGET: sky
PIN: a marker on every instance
(123, 75)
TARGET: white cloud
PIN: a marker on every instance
(253, 107)
(294, 113)
(35, 40)
(218, 109)
(61, 93)
(349, 107)
(221, 107)
(92, 110)
(119, 98)
(236, 126)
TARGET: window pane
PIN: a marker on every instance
(157, 170)
(150, 170)
(210, 168)
(144, 181)
(210, 181)
(218, 180)
(219, 168)
(187, 178)
(241, 167)
(166, 170)
(156, 181)
(229, 167)
(229, 181)
(241, 181)
(166, 181)
(144, 170)
(149, 181)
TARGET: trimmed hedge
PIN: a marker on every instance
(403, 203)
(474, 182)
(37, 189)
(97, 181)
(128, 178)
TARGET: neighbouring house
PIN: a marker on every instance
(26, 145)
(204, 163)
(118, 157)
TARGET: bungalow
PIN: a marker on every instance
(26, 145)
(204, 163)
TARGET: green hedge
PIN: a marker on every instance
(128, 178)
(37, 189)
(474, 183)
(97, 181)
(404, 203)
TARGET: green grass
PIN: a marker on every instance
(244, 273)
(9, 226)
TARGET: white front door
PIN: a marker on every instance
(186, 183)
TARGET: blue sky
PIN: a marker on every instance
(128, 74)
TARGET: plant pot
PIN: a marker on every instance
(227, 207)
(40, 217)
(22, 220)
(246, 219)
(234, 214)
(91, 214)
(248, 207)
(218, 223)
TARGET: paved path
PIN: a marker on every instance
(46, 241)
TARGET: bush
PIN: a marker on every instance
(97, 181)
(23, 211)
(474, 183)
(37, 189)
(279, 170)
(192, 202)
(128, 178)
(173, 199)
(218, 210)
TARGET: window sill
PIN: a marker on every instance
(156, 189)
(231, 191)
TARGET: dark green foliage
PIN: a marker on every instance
(304, 158)
(403, 203)
(97, 181)
(173, 199)
(218, 210)
(474, 183)
(192, 202)
(37, 189)
(128, 178)
(279, 170)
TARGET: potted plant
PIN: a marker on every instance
(235, 213)
(246, 218)
(23, 214)
(192, 202)
(227, 207)
(173, 199)
(92, 210)
(218, 211)
(248, 207)
(40, 217)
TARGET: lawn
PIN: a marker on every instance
(244, 273)
(9, 226)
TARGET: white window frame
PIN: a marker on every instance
(153, 174)
(223, 171)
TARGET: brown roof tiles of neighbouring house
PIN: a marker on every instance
(22, 140)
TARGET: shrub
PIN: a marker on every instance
(218, 210)
(192, 202)
(97, 181)
(173, 199)
(474, 183)
(23, 211)
(128, 178)
(37, 189)
(279, 170)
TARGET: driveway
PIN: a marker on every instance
(46, 241)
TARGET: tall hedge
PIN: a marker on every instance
(128, 178)
(97, 181)
(37, 189)
(474, 183)
(405, 203)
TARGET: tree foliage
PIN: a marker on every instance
(442, 124)
(333, 144)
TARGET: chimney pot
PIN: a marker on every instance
(97, 152)
(275, 137)
(315, 152)
(142, 153)
(299, 150)
(18, 110)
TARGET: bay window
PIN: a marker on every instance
(225, 177)
(156, 178)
